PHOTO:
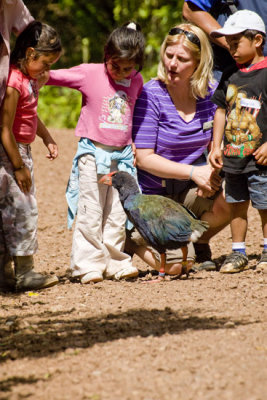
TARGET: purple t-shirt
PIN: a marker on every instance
(157, 125)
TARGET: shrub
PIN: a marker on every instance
(59, 107)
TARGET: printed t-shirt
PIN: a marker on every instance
(107, 105)
(243, 94)
(25, 122)
(157, 125)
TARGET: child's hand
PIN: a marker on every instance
(53, 151)
(261, 154)
(215, 158)
(48, 141)
(24, 180)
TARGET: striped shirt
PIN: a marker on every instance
(157, 125)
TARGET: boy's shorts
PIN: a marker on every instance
(198, 206)
(249, 186)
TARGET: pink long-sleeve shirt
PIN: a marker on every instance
(107, 105)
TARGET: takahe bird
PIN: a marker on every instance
(163, 223)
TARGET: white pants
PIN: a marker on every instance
(99, 233)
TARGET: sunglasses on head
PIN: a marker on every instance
(190, 35)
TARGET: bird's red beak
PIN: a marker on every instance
(107, 179)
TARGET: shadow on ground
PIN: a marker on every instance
(55, 332)
(8, 384)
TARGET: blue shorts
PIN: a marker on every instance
(249, 186)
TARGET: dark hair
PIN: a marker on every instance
(126, 42)
(251, 33)
(43, 38)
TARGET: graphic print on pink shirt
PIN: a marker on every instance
(116, 111)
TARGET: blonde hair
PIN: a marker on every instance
(202, 77)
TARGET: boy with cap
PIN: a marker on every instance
(211, 15)
(241, 118)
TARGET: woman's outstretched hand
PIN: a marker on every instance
(207, 179)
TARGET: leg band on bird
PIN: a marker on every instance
(162, 265)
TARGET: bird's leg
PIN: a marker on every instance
(161, 276)
(184, 262)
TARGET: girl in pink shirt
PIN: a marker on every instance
(109, 92)
(36, 49)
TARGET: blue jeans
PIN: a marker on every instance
(249, 186)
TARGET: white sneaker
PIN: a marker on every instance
(94, 276)
(125, 273)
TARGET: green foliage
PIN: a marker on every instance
(84, 27)
(156, 18)
(59, 107)
(75, 20)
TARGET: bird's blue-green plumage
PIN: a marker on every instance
(162, 222)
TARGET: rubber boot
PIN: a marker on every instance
(27, 278)
(7, 276)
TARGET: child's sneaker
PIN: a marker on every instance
(93, 276)
(263, 260)
(125, 273)
(234, 262)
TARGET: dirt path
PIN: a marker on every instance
(203, 338)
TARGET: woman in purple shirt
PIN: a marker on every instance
(172, 131)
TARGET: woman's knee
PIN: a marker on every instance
(179, 268)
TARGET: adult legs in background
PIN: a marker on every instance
(218, 215)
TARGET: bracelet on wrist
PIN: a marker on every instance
(19, 168)
(191, 172)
